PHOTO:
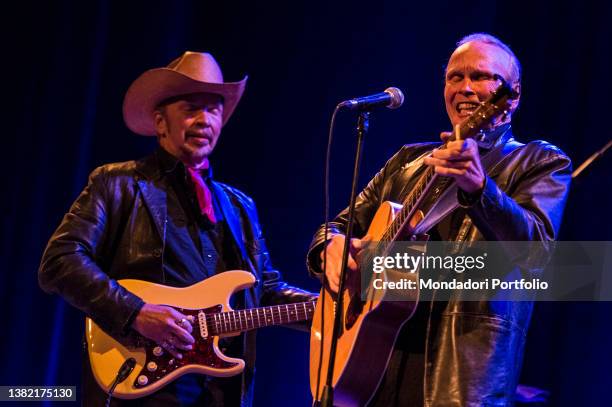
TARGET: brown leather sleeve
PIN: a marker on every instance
(70, 265)
(532, 208)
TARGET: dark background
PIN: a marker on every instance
(68, 64)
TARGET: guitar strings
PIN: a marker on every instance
(274, 314)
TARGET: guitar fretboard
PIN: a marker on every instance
(244, 320)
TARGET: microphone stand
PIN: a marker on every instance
(327, 397)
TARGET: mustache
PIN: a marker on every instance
(199, 134)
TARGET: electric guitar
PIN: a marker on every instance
(369, 328)
(206, 305)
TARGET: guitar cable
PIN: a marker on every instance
(124, 371)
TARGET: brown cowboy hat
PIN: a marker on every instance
(192, 72)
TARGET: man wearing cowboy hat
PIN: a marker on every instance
(164, 219)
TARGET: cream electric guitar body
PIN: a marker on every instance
(207, 306)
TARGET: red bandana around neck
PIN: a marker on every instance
(202, 191)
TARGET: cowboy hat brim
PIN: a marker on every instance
(156, 85)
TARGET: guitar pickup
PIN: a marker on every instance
(202, 324)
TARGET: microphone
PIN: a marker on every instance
(391, 98)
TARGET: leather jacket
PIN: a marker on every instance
(474, 349)
(116, 230)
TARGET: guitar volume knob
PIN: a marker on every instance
(151, 366)
(143, 380)
(158, 351)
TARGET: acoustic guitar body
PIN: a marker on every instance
(368, 333)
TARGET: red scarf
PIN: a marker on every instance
(203, 192)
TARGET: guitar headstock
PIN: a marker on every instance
(498, 104)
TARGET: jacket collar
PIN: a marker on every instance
(160, 163)
(495, 137)
(148, 167)
(167, 162)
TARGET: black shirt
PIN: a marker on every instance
(195, 247)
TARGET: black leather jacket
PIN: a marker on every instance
(474, 349)
(116, 229)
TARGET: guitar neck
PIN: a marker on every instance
(412, 203)
(253, 318)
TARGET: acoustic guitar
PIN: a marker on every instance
(206, 305)
(369, 327)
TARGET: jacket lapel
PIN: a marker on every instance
(153, 194)
(155, 200)
(230, 217)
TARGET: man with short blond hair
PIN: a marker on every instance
(460, 353)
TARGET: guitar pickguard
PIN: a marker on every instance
(158, 365)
